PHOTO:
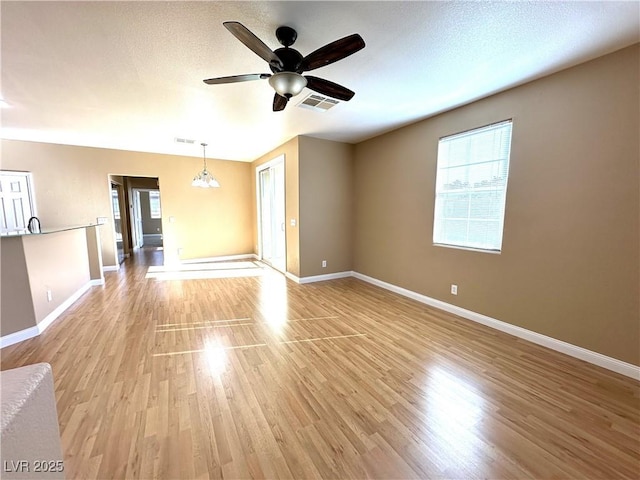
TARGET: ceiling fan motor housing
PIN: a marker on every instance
(290, 58)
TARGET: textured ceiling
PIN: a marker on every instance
(128, 75)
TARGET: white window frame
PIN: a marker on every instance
(470, 162)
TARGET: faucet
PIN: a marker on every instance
(33, 225)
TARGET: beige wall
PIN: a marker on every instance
(16, 307)
(95, 253)
(570, 263)
(292, 198)
(58, 262)
(33, 264)
(326, 206)
(72, 187)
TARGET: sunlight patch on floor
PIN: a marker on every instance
(205, 322)
(193, 271)
(236, 347)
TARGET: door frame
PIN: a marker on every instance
(119, 187)
(260, 168)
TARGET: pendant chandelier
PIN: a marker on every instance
(204, 179)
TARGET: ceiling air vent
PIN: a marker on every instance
(318, 102)
(188, 141)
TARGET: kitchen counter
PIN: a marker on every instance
(45, 231)
(42, 275)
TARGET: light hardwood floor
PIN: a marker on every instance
(259, 377)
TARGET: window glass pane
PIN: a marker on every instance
(455, 205)
(471, 183)
(154, 204)
(455, 231)
(486, 205)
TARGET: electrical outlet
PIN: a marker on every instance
(180, 251)
(454, 289)
(324, 264)
(49, 296)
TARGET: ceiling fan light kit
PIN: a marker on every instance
(287, 64)
(287, 84)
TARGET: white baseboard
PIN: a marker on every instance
(96, 282)
(48, 320)
(111, 268)
(221, 258)
(16, 337)
(595, 358)
(319, 278)
(36, 330)
(291, 276)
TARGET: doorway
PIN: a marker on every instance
(137, 217)
(146, 218)
(271, 213)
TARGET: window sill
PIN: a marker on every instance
(470, 249)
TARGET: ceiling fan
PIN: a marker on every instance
(287, 64)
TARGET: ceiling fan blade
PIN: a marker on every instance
(237, 78)
(256, 45)
(332, 52)
(328, 88)
(279, 102)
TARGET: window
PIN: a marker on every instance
(471, 187)
(154, 204)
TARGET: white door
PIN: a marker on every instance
(138, 239)
(271, 196)
(16, 200)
